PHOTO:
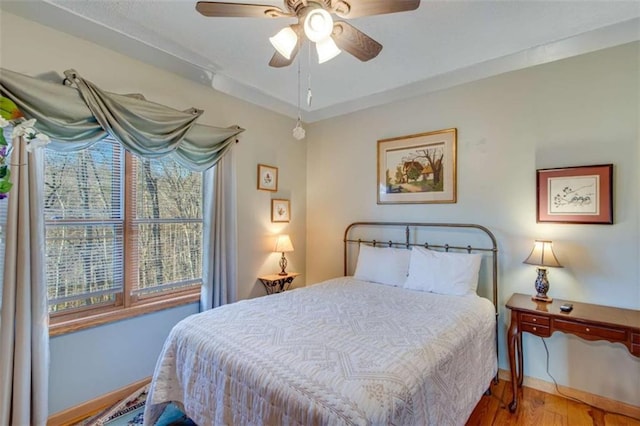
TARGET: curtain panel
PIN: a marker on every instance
(24, 326)
(78, 116)
(219, 273)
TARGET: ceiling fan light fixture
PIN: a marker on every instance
(318, 25)
(285, 41)
(327, 50)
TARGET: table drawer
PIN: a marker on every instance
(590, 330)
(538, 330)
(635, 344)
(535, 319)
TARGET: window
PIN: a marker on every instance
(122, 233)
(3, 227)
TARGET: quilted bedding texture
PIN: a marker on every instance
(342, 352)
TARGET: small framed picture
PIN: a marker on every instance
(581, 194)
(267, 178)
(280, 211)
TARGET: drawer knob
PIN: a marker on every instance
(535, 329)
(535, 320)
(587, 329)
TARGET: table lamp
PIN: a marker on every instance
(283, 245)
(542, 256)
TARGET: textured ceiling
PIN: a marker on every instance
(440, 44)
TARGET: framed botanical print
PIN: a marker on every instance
(280, 210)
(267, 178)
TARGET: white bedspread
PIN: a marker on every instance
(340, 352)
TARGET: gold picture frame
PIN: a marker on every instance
(267, 178)
(418, 169)
(280, 210)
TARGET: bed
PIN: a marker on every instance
(347, 351)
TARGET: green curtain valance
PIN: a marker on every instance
(77, 117)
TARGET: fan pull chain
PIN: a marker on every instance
(309, 94)
(298, 132)
(299, 113)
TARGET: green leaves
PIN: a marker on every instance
(5, 185)
(8, 109)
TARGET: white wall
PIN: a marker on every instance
(579, 111)
(88, 364)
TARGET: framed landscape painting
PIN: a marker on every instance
(418, 168)
(581, 194)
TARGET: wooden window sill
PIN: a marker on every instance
(69, 326)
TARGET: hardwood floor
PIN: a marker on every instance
(540, 409)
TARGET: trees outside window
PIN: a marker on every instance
(123, 234)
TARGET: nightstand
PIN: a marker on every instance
(587, 321)
(278, 283)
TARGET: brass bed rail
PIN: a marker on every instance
(492, 249)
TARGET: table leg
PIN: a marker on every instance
(520, 360)
(514, 345)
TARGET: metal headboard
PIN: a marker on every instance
(492, 249)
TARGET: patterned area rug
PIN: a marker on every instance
(130, 411)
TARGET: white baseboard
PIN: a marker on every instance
(598, 401)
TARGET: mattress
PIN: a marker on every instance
(342, 352)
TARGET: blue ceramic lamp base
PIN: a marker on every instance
(542, 286)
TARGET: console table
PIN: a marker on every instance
(590, 322)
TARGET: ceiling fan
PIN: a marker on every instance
(315, 22)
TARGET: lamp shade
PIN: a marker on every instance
(285, 41)
(542, 255)
(327, 50)
(283, 244)
(318, 25)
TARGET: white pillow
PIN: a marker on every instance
(385, 265)
(443, 272)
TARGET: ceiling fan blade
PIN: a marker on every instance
(237, 10)
(357, 8)
(354, 41)
(279, 61)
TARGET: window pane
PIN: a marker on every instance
(166, 190)
(3, 216)
(83, 264)
(168, 226)
(85, 184)
(169, 256)
(84, 226)
(3, 227)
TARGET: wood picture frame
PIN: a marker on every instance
(267, 178)
(581, 194)
(280, 210)
(418, 168)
